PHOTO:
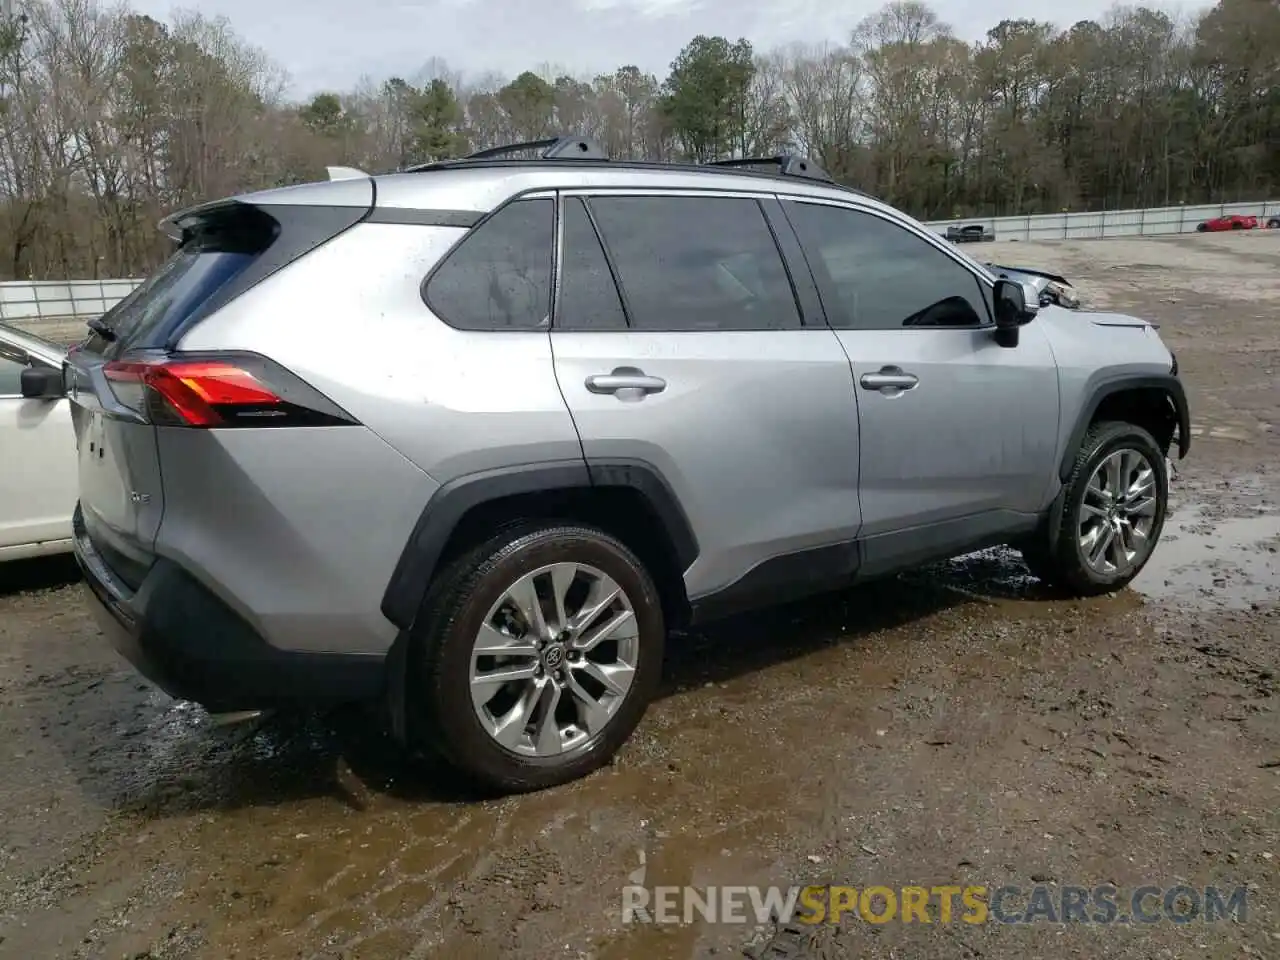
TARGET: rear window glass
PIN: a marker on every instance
(175, 291)
(226, 250)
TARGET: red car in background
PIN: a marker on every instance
(1232, 221)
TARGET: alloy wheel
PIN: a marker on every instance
(554, 659)
(1118, 513)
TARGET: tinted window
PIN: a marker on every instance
(696, 263)
(885, 277)
(588, 297)
(220, 247)
(171, 294)
(499, 277)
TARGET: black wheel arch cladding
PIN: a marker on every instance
(440, 517)
(1168, 384)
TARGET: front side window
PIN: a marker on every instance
(883, 276)
(696, 263)
(499, 277)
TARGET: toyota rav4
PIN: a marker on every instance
(469, 439)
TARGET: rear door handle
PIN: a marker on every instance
(625, 383)
(889, 378)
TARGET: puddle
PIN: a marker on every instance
(820, 731)
(998, 577)
(1231, 564)
(997, 573)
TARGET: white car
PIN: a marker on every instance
(38, 477)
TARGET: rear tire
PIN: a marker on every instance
(1114, 507)
(557, 718)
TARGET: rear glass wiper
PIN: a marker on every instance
(101, 329)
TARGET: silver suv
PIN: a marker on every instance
(470, 439)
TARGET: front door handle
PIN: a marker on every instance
(889, 379)
(626, 383)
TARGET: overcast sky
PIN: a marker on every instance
(330, 44)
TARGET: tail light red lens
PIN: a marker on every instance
(191, 391)
(206, 392)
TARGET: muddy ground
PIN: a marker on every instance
(954, 726)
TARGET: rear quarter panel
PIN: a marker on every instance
(297, 530)
(349, 318)
(300, 529)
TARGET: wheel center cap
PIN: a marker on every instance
(553, 656)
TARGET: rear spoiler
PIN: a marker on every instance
(176, 225)
(179, 224)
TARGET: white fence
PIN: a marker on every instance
(1154, 222)
(27, 302)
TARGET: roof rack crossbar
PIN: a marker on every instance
(574, 147)
(789, 165)
(551, 148)
(566, 147)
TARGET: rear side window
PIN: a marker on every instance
(499, 276)
(588, 296)
(696, 263)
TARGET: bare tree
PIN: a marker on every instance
(109, 120)
(825, 90)
(768, 127)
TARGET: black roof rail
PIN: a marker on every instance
(787, 164)
(571, 147)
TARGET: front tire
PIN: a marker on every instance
(538, 655)
(1113, 511)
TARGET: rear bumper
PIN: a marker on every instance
(184, 639)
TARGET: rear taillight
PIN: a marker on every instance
(242, 390)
